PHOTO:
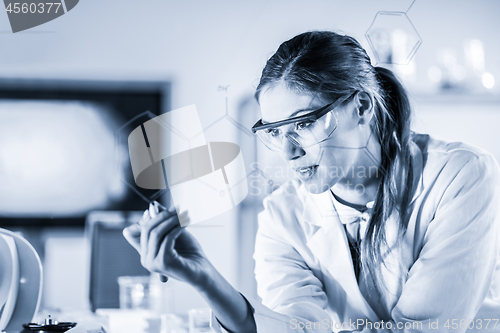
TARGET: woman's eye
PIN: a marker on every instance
(273, 131)
(302, 125)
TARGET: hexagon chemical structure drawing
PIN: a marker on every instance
(230, 118)
(393, 38)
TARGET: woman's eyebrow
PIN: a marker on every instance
(302, 110)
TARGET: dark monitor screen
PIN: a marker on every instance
(64, 148)
(111, 256)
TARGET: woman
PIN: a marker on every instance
(383, 229)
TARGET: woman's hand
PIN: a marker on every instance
(167, 248)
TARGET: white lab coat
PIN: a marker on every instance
(451, 249)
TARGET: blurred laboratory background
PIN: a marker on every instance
(73, 89)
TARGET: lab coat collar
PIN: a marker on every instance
(418, 167)
(330, 245)
(318, 208)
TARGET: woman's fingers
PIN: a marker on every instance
(154, 231)
(133, 235)
(172, 237)
(160, 218)
(161, 208)
(161, 256)
(147, 226)
(144, 217)
(154, 237)
(157, 235)
(166, 251)
(153, 210)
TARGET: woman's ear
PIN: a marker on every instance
(364, 107)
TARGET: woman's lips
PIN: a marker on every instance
(306, 172)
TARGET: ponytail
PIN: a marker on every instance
(396, 187)
(396, 101)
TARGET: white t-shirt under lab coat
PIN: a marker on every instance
(451, 250)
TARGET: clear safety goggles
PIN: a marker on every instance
(302, 131)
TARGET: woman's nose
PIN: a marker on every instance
(290, 151)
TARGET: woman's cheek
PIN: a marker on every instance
(314, 154)
(329, 175)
